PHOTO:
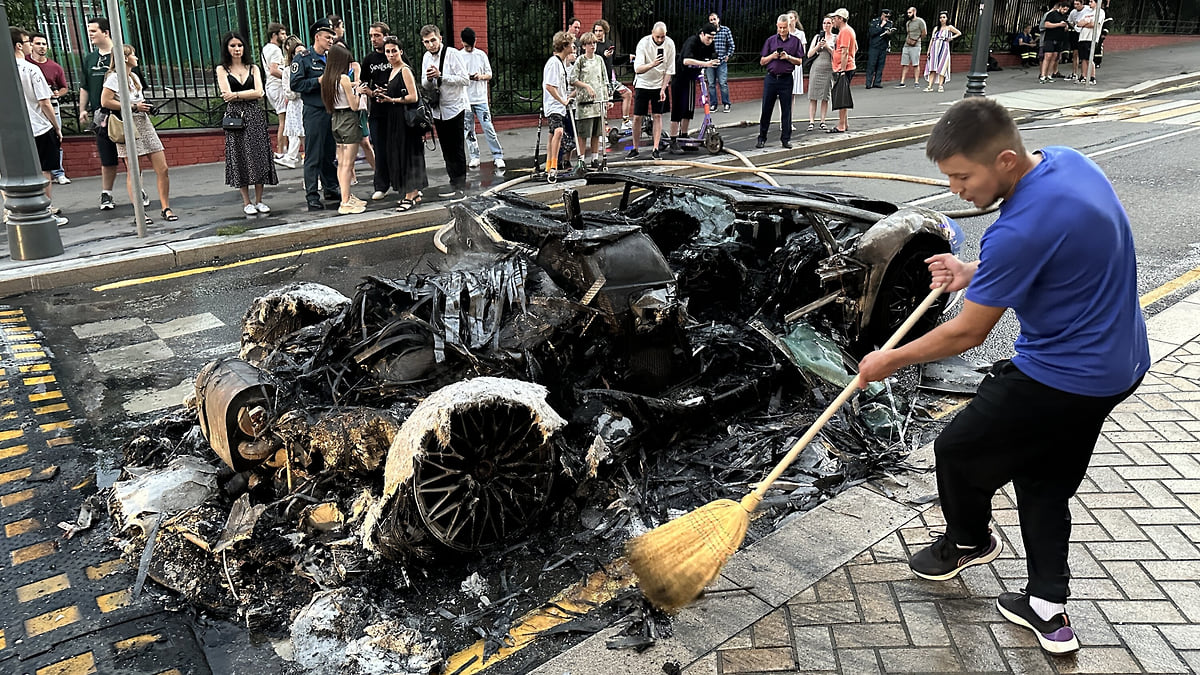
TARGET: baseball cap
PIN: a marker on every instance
(842, 12)
(320, 25)
(709, 28)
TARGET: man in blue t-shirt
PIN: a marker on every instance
(1061, 256)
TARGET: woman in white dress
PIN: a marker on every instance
(293, 126)
(797, 30)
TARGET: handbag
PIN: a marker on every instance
(116, 129)
(432, 96)
(417, 115)
(233, 122)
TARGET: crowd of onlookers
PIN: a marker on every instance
(384, 108)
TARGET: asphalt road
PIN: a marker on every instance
(122, 354)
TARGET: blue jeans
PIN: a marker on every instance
(481, 111)
(718, 81)
(59, 172)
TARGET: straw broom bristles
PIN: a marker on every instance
(676, 560)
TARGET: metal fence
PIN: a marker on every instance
(178, 42)
(520, 32)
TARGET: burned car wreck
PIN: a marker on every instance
(549, 368)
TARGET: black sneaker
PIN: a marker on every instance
(760, 143)
(674, 148)
(943, 560)
(316, 206)
(106, 202)
(633, 154)
(655, 154)
(1055, 636)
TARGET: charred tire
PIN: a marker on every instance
(614, 136)
(713, 142)
(489, 482)
(905, 284)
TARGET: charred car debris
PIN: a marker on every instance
(518, 405)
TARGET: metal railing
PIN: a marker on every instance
(519, 42)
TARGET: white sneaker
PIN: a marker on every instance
(145, 199)
(249, 210)
(286, 162)
(60, 221)
(62, 179)
(499, 163)
(377, 195)
(474, 163)
(262, 208)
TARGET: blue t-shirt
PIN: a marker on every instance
(1061, 256)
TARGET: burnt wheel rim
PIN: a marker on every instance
(489, 482)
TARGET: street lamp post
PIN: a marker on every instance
(32, 229)
(977, 78)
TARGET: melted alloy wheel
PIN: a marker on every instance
(905, 284)
(490, 482)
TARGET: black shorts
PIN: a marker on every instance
(48, 146)
(556, 121)
(105, 147)
(1084, 49)
(1050, 46)
(645, 101)
(683, 94)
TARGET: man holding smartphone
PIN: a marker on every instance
(781, 53)
(653, 65)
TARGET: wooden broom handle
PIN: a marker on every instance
(761, 490)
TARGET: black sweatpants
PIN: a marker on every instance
(451, 135)
(378, 125)
(1040, 438)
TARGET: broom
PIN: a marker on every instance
(676, 560)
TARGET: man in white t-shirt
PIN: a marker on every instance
(1090, 23)
(272, 67)
(444, 69)
(479, 70)
(47, 135)
(555, 96)
(653, 66)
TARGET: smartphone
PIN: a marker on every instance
(660, 52)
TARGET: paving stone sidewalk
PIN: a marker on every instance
(1134, 558)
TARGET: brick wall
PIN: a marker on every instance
(471, 13)
(1121, 43)
(199, 146)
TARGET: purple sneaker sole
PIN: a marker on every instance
(1060, 641)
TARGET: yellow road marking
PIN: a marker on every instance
(40, 589)
(12, 319)
(25, 348)
(61, 440)
(63, 616)
(47, 409)
(44, 396)
(11, 434)
(17, 528)
(173, 671)
(15, 474)
(16, 497)
(84, 664)
(137, 641)
(14, 451)
(267, 258)
(52, 426)
(3, 642)
(573, 601)
(31, 553)
(30, 355)
(42, 379)
(34, 368)
(12, 312)
(1166, 114)
(114, 601)
(97, 572)
(1169, 287)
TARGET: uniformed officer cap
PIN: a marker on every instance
(320, 25)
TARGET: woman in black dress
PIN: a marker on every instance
(248, 155)
(405, 146)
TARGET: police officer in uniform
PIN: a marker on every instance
(306, 70)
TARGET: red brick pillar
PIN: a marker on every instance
(589, 12)
(471, 13)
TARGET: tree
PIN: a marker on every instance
(21, 14)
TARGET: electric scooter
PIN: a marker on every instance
(707, 135)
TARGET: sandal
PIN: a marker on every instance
(149, 221)
(823, 127)
(168, 215)
(811, 126)
(406, 204)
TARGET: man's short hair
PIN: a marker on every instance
(273, 29)
(782, 18)
(35, 35)
(18, 36)
(468, 36)
(383, 27)
(659, 25)
(430, 29)
(977, 128)
(334, 20)
(562, 40)
(101, 23)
